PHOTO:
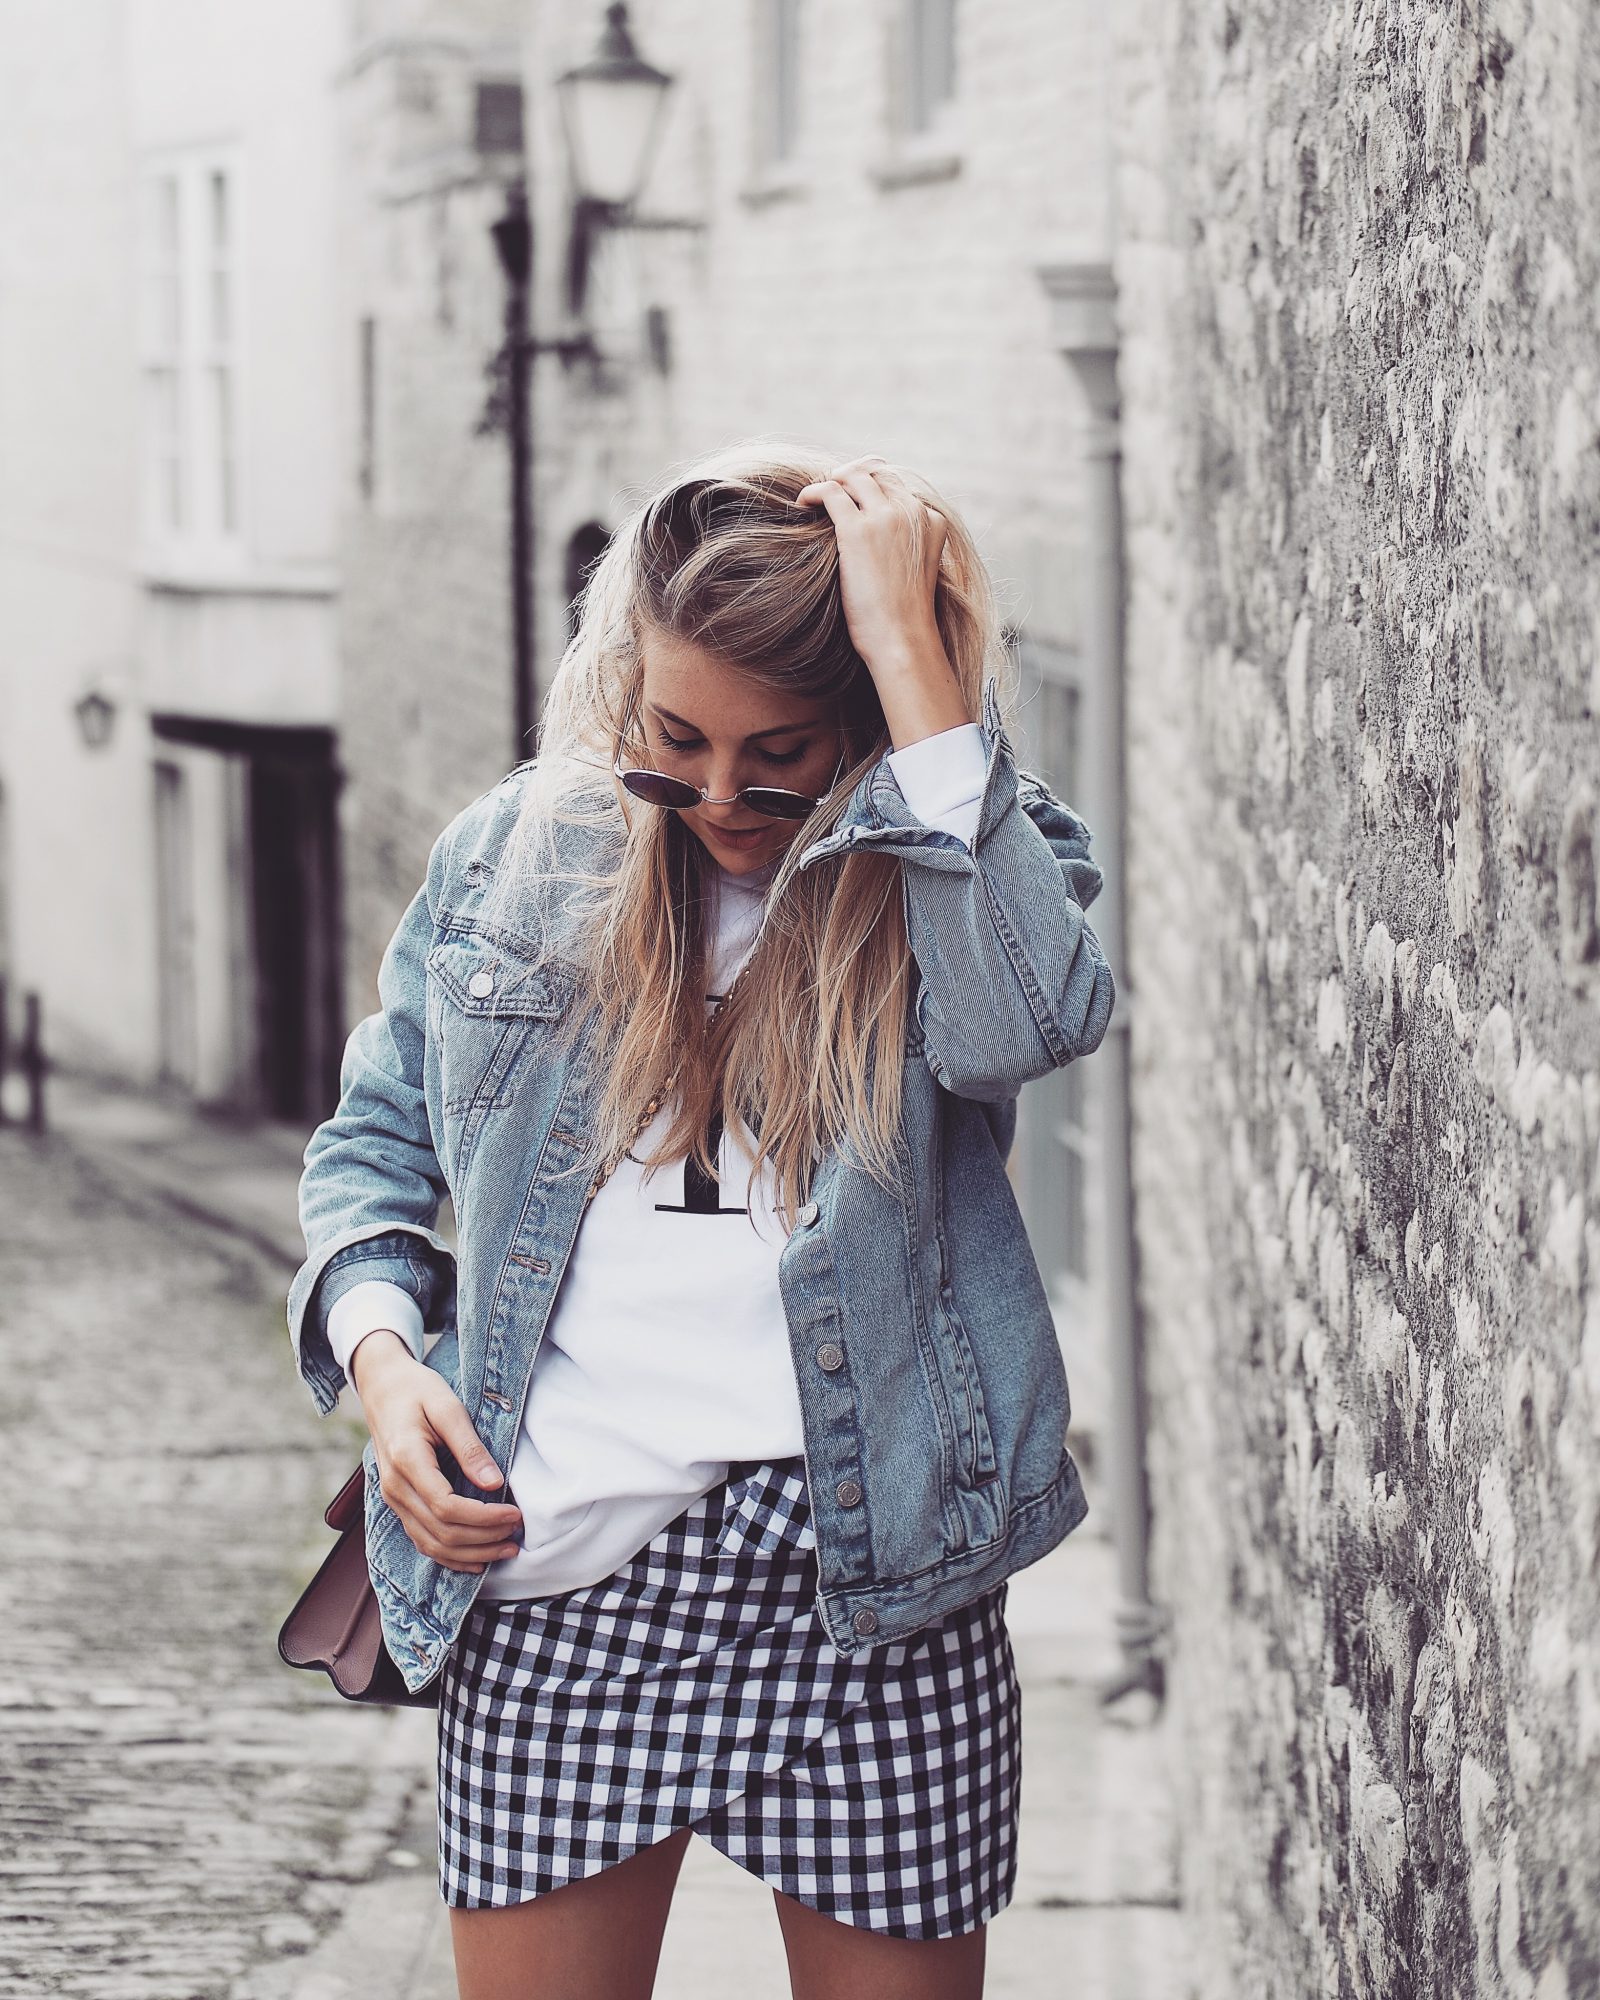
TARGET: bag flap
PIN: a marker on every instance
(348, 1505)
(335, 1625)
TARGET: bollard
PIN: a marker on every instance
(32, 1060)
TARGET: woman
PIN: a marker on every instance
(747, 1398)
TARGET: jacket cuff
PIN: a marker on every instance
(880, 818)
(941, 779)
(408, 1255)
(370, 1306)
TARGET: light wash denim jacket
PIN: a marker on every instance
(933, 1398)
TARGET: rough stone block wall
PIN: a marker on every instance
(1359, 265)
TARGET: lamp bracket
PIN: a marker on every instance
(579, 346)
(633, 220)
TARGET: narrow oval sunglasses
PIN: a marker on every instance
(657, 788)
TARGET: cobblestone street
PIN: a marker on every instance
(186, 1819)
(178, 1806)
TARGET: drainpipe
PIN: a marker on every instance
(513, 241)
(1083, 300)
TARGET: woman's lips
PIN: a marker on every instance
(739, 837)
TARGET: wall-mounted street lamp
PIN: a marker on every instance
(612, 110)
(96, 715)
(612, 107)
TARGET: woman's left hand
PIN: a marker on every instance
(888, 567)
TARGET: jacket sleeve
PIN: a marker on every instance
(372, 1186)
(1012, 980)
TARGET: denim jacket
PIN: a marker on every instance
(933, 1398)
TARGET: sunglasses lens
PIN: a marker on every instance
(657, 789)
(777, 805)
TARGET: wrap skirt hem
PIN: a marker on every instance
(695, 1687)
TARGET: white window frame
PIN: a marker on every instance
(191, 318)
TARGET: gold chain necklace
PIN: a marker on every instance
(655, 1103)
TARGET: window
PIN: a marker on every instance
(163, 346)
(497, 116)
(189, 344)
(1055, 1144)
(777, 96)
(218, 349)
(922, 136)
(929, 77)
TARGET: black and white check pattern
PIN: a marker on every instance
(696, 1687)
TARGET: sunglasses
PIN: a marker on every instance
(656, 788)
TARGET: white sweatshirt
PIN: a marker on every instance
(666, 1356)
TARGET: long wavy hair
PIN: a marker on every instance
(808, 1051)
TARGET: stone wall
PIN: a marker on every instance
(1360, 260)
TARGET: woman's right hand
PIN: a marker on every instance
(410, 1410)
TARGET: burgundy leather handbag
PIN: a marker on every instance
(335, 1625)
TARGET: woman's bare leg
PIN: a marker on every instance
(598, 1939)
(829, 1960)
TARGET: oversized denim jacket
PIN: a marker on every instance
(929, 1373)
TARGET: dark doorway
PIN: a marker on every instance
(293, 849)
(287, 875)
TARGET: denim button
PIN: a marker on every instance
(481, 985)
(849, 1492)
(808, 1214)
(830, 1355)
(865, 1622)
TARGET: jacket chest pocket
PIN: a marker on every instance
(488, 1010)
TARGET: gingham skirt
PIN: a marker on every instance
(695, 1687)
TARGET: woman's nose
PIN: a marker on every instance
(722, 779)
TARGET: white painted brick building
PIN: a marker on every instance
(166, 542)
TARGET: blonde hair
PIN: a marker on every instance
(808, 1051)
